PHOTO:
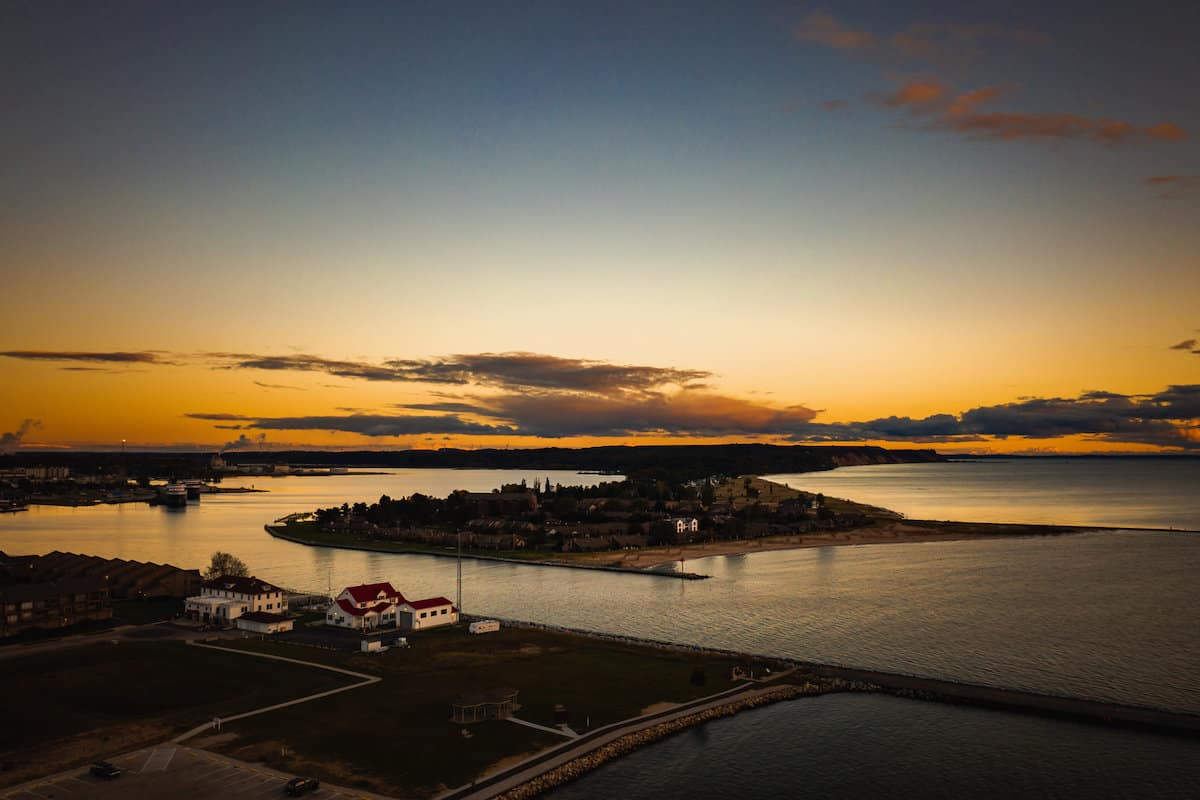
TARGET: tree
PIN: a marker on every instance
(226, 564)
(708, 494)
(662, 533)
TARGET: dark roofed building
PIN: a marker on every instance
(264, 622)
(586, 544)
(629, 541)
(240, 584)
(132, 579)
(53, 604)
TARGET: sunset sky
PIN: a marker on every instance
(973, 227)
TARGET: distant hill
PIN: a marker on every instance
(690, 460)
(676, 461)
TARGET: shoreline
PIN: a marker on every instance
(656, 561)
(887, 527)
(546, 770)
(273, 530)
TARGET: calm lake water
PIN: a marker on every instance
(884, 747)
(1108, 614)
(1118, 492)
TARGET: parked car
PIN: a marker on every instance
(298, 786)
(103, 769)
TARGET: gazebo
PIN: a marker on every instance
(479, 706)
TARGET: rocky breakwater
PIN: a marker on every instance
(578, 767)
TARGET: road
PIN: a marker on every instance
(173, 772)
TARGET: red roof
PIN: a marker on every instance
(432, 602)
(370, 591)
(350, 608)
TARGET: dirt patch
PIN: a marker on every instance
(654, 709)
(23, 765)
(215, 740)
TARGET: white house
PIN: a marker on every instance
(222, 600)
(372, 606)
(263, 622)
(365, 607)
(417, 615)
(685, 524)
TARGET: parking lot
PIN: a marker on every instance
(171, 772)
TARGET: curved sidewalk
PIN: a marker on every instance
(367, 680)
(547, 760)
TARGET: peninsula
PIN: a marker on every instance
(640, 524)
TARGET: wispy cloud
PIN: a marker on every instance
(819, 27)
(278, 386)
(948, 45)
(516, 370)
(961, 113)
(108, 357)
(1170, 418)
(683, 413)
(373, 425)
(948, 48)
(917, 96)
(1186, 344)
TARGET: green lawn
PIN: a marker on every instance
(398, 732)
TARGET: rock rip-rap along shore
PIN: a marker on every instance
(578, 767)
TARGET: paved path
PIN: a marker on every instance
(365, 680)
(528, 724)
(543, 762)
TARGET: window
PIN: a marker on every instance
(423, 615)
(269, 606)
(445, 611)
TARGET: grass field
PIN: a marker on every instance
(398, 732)
(68, 706)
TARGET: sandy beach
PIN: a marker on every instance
(882, 533)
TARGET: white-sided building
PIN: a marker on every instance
(373, 606)
(686, 524)
(222, 600)
(417, 615)
(365, 607)
(263, 622)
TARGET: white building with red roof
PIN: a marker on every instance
(417, 615)
(372, 606)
